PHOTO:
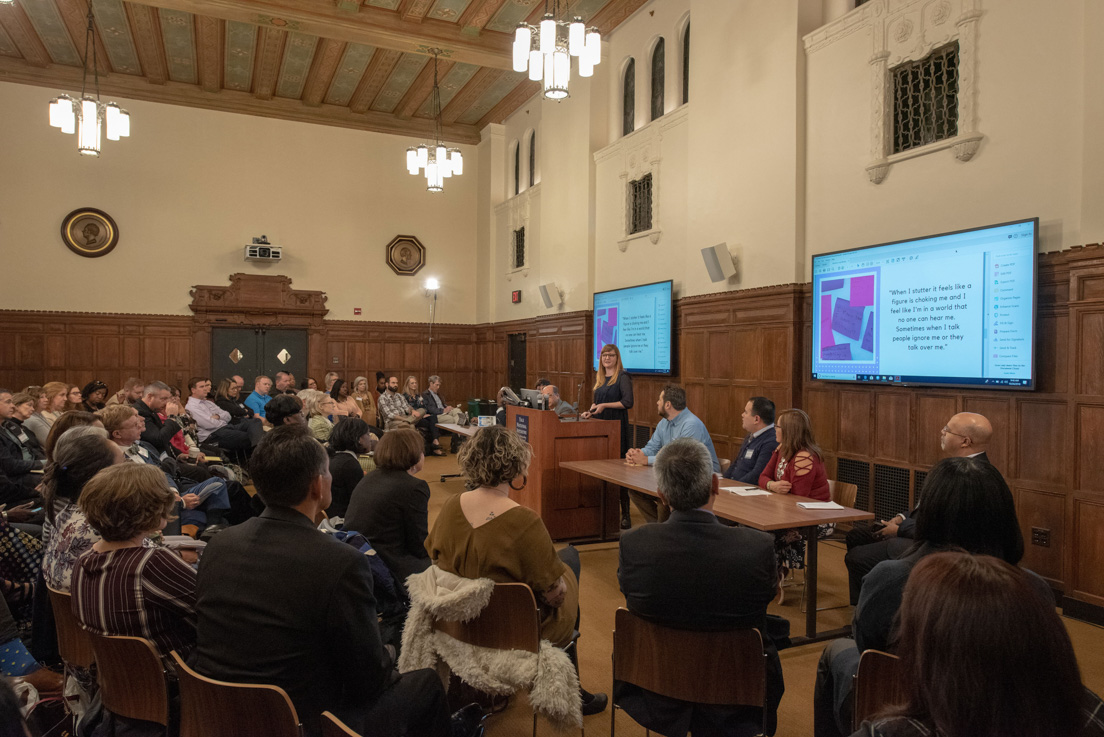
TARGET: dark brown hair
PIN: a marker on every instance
(797, 434)
(66, 421)
(984, 653)
(124, 500)
(74, 466)
(399, 450)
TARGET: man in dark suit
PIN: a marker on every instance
(278, 602)
(157, 398)
(759, 442)
(691, 572)
(966, 435)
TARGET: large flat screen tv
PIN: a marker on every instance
(956, 309)
(638, 321)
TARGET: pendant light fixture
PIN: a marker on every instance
(89, 116)
(438, 162)
(545, 50)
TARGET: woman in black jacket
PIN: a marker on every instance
(228, 397)
(348, 440)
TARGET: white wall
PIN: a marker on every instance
(191, 187)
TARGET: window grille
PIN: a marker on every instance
(657, 80)
(519, 248)
(628, 111)
(925, 99)
(686, 65)
(640, 217)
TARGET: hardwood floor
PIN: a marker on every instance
(600, 597)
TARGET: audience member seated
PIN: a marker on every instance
(348, 440)
(976, 622)
(381, 384)
(365, 400)
(795, 467)
(228, 397)
(319, 407)
(676, 422)
(64, 424)
(556, 402)
(40, 422)
(214, 424)
(541, 383)
(95, 396)
(279, 603)
(966, 435)
(436, 406)
(329, 379)
(158, 433)
(390, 506)
(344, 403)
(968, 506)
(286, 409)
(308, 383)
(396, 412)
(130, 393)
(284, 383)
(20, 460)
(692, 572)
(260, 397)
(483, 533)
(759, 442)
(23, 405)
(122, 587)
(74, 400)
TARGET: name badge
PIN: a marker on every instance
(23, 437)
(749, 454)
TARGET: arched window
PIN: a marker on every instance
(686, 65)
(532, 158)
(628, 112)
(517, 167)
(657, 80)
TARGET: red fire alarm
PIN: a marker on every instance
(515, 296)
(356, 310)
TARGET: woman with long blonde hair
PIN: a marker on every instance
(613, 398)
(40, 422)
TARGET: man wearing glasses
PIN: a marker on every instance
(966, 435)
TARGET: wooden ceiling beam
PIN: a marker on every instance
(18, 26)
(614, 14)
(146, 31)
(420, 89)
(190, 95)
(472, 91)
(383, 29)
(414, 11)
(514, 99)
(210, 51)
(327, 57)
(478, 14)
(74, 13)
(375, 76)
(268, 62)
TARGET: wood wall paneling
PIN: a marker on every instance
(1088, 535)
(891, 413)
(1045, 510)
(1043, 453)
(933, 411)
(999, 413)
(855, 435)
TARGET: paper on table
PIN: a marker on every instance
(745, 491)
(820, 505)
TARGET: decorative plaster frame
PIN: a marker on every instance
(908, 30)
(517, 216)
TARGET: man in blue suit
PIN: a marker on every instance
(759, 442)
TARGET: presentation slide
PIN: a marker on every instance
(638, 321)
(950, 309)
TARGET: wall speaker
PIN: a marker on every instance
(718, 262)
(551, 295)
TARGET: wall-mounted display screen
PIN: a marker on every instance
(638, 321)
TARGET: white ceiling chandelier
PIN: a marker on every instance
(438, 162)
(545, 50)
(88, 116)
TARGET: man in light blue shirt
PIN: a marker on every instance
(677, 422)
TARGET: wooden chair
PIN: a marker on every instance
(210, 708)
(510, 621)
(74, 644)
(717, 668)
(725, 463)
(132, 678)
(334, 727)
(879, 683)
(844, 494)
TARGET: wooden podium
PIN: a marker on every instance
(573, 506)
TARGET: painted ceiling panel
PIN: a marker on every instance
(449, 10)
(241, 45)
(111, 20)
(51, 30)
(178, 34)
(348, 74)
(389, 4)
(452, 83)
(399, 82)
(513, 12)
(298, 54)
(7, 46)
(492, 97)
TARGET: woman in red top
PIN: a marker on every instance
(795, 468)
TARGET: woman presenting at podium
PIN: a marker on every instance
(613, 397)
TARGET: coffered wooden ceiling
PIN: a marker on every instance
(354, 63)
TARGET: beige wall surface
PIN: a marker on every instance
(190, 188)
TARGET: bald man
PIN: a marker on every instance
(966, 435)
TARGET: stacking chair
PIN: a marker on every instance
(715, 668)
(724, 463)
(879, 683)
(132, 678)
(210, 708)
(844, 494)
(510, 621)
(334, 727)
(74, 644)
